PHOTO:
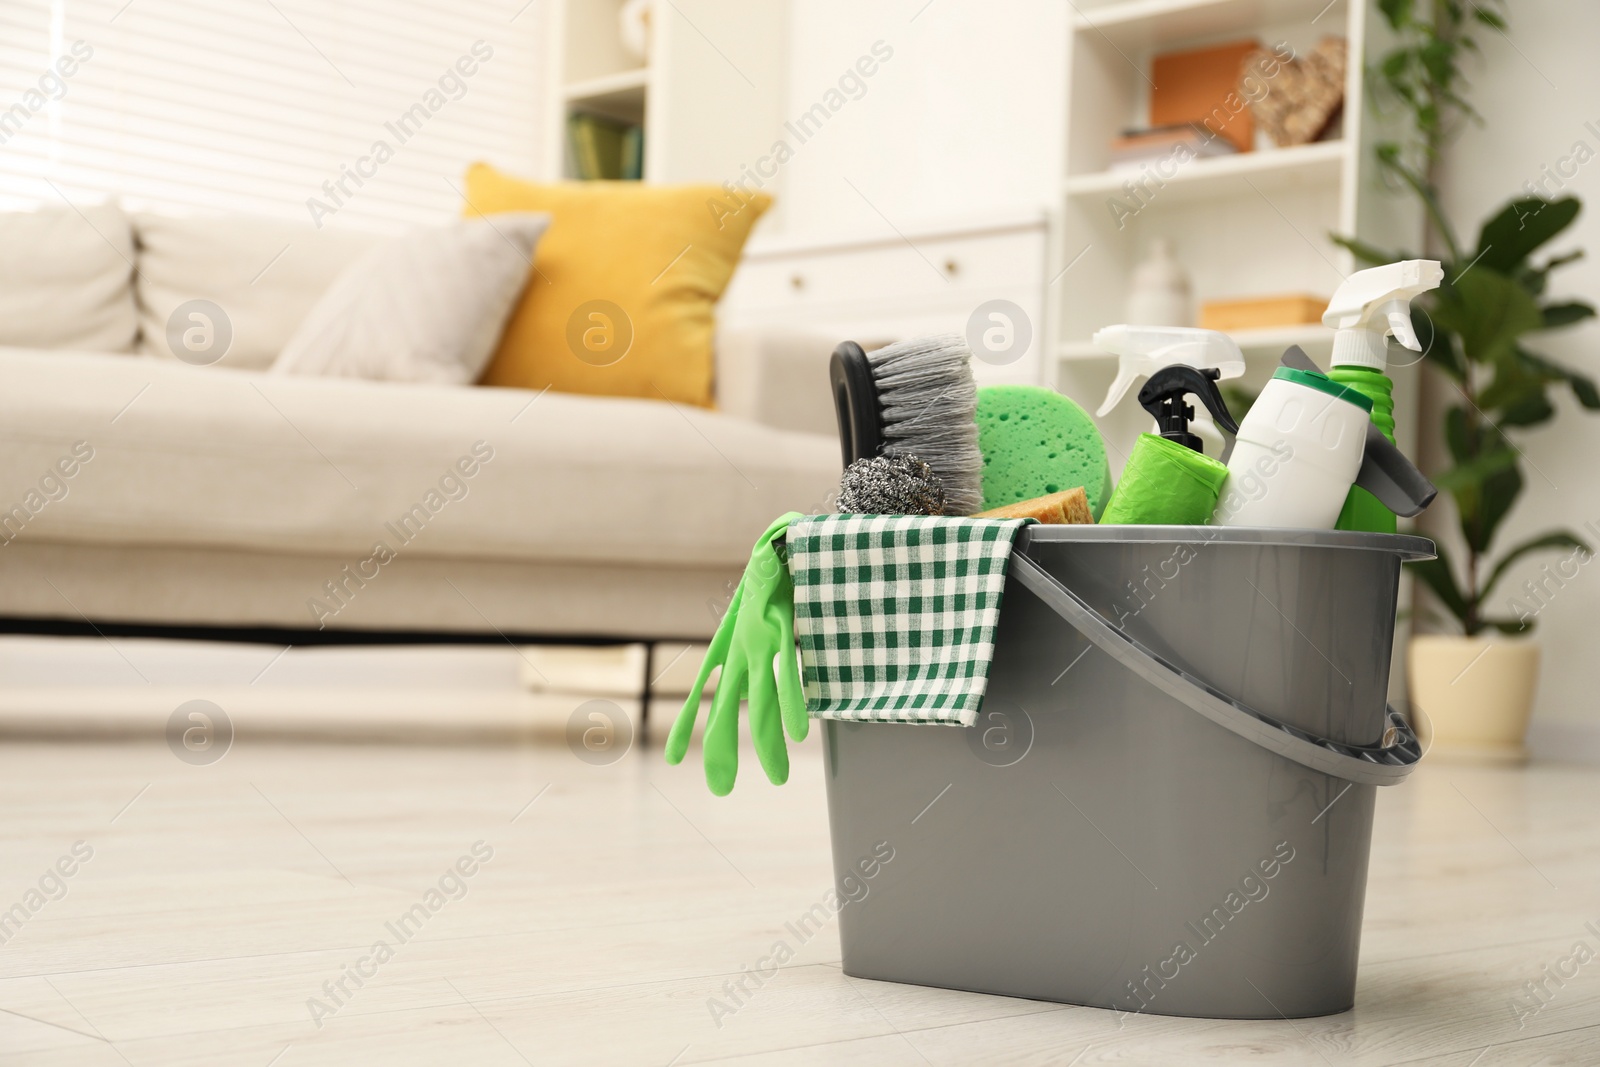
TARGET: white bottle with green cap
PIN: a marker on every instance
(1297, 453)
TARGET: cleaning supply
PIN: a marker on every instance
(916, 397)
(1169, 480)
(1297, 453)
(1070, 507)
(1385, 472)
(757, 631)
(1368, 307)
(1160, 693)
(897, 484)
(1036, 442)
(896, 613)
(1143, 350)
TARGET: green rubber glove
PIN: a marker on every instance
(757, 629)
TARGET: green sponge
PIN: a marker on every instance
(1035, 442)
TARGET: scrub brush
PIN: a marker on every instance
(918, 398)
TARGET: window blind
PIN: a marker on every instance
(358, 113)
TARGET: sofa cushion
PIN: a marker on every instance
(425, 307)
(184, 455)
(625, 286)
(66, 279)
(257, 279)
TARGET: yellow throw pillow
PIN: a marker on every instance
(624, 285)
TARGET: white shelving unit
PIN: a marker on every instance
(1271, 170)
(709, 95)
(1253, 224)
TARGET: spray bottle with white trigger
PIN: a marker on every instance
(1370, 306)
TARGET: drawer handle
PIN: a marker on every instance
(952, 268)
(797, 282)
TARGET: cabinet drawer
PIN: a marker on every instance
(863, 274)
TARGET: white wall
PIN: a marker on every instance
(1536, 91)
(964, 119)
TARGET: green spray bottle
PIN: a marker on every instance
(1370, 306)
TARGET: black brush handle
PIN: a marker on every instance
(855, 403)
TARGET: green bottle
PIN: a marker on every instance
(1369, 306)
(1361, 509)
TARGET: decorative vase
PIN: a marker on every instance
(1158, 292)
(1475, 695)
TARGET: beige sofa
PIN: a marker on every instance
(139, 494)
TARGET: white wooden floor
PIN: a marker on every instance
(219, 899)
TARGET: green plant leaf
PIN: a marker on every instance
(1557, 315)
(1513, 380)
(1461, 441)
(1397, 12)
(1530, 409)
(1510, 627)
(1583, 387)
(1438, 58)
(1496, 494)
(1472, 473)
(1487, 311)
(1441, 581)
(1559, 539)
(1516, 396)
(1239, 399)
(1366, 253)
(1534, 279)
(1389, 157)
(1438, 346)
(1512, 235)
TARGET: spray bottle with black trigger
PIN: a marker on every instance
(1168, 478)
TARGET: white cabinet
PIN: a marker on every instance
(988, 273)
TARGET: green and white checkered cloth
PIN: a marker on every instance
(896, 613)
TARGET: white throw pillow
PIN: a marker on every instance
(230, 289)
(66, 279)
(427, 307)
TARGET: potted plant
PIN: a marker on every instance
(1478, 692)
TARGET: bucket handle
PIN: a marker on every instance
(1362, 764)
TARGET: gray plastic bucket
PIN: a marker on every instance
(1166, 805)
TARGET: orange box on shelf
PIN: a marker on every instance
(1262, 312)
(1202, 86)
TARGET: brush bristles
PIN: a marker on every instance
(928, 405)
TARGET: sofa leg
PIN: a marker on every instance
(644, 692)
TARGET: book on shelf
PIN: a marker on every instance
(1202, 85)
(1136, 147)
(603, 148)
(633, 154)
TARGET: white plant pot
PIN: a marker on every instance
(1475, 695)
